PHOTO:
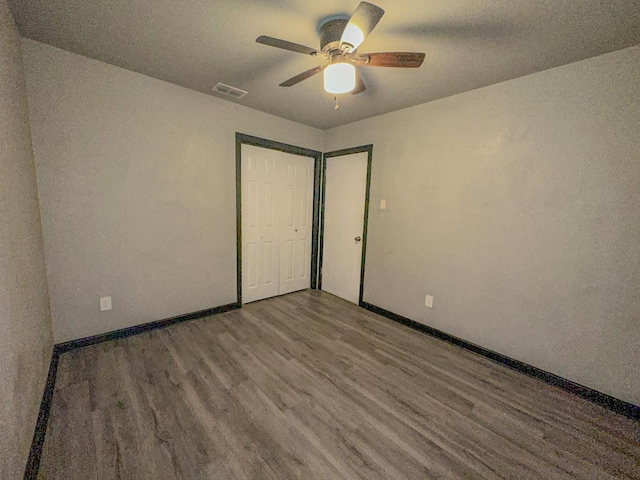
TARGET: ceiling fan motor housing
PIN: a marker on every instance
(330, 33)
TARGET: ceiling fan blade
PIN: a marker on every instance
(293, 47)
(391, 59)
(360, 87)
(363, 20)
(302, 76)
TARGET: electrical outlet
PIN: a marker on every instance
(428, 301)
(105, 303)
(383, 204)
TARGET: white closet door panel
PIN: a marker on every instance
(260, 232)
(297, 225)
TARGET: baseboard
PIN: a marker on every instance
(35, 453)
(145, 327)
(614, 404)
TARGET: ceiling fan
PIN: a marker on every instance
(339, 42)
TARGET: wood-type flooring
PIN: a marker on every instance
(308, 386)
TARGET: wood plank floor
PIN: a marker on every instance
(307, 386)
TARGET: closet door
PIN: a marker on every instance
(296, 224)
(277, 212)
(260, 224)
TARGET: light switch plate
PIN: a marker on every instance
(105, 303)
(428, 301)
(383, 204)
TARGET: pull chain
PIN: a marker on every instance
(336, 107)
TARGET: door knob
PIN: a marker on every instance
(357, 239)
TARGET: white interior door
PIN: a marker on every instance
(277, 209)
(296, 224)
(344, 199)
(260, 229)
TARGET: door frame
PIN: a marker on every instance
(340, 153)
(244, 139)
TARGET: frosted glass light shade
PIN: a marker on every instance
(352, 35)
(339, 78)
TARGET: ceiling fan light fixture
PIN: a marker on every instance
(339, 78)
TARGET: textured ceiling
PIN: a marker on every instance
(196, 44)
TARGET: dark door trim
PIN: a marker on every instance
(243, 139)
(339, 153)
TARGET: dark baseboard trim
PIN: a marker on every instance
(619, 406)
(35, 454)
(145, 327)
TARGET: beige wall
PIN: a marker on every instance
(517, 206)
(137, 186)
(25, 324)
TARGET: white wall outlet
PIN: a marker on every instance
(383, 204)
(428, 301)
(105, 303)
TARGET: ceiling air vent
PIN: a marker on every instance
(229, 90)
